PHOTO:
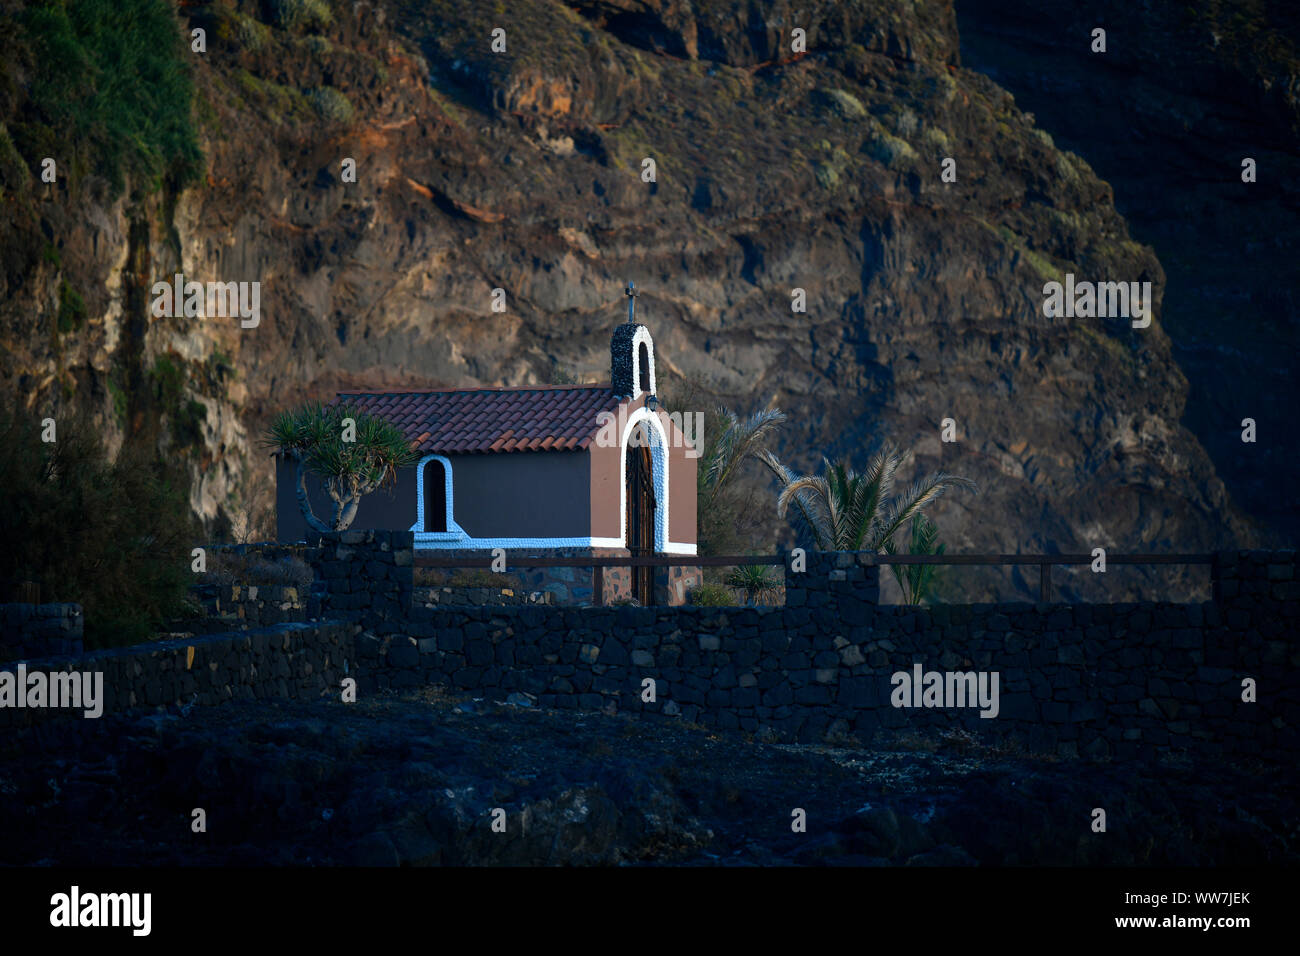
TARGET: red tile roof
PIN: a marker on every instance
(467, 420)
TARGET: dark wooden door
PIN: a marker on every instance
(640, 516)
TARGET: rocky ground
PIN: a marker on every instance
(413, 780)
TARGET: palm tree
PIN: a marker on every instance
(727, 516)
(729, 445)
(847, 511)
(314, 437)
(917, 579)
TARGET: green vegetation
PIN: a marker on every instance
(845, 103)
(14, 175)
(109, 80)
(848, 511)
(118, 395)
(889, 150)
(72, 308)
(299, 15)
(113, 536)
(330, 104)
(351, 451)
(187, 424)
(728, 511)
(710, 595)
(252, 34)
(756, 581)
(916, 580)
(167, 380)
(281, 104)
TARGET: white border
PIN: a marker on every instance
(641, 336)
(454, 531)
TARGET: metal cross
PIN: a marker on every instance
(631, 294)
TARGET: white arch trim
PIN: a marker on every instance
(659, 466)
(642, 337)
(454, 531)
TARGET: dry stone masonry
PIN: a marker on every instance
(40, 630)
(1091, 681)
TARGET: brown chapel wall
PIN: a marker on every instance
(681, 486)
(606, 496)
(606, 478)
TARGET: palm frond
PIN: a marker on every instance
(920, 494)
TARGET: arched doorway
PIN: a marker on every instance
(639, 475)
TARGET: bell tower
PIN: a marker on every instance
(632, 354)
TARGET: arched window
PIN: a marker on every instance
(643, 364)
(435, 496)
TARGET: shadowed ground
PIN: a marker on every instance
(412, 780)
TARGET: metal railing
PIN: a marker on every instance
(598, 564)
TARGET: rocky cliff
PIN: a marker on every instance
(521, 170)
(1183, 94)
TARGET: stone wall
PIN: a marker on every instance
(1124, 681)
(358, 576)
(577, 586)
(365, 577)
(1094, 681)
(478, 597)
(237, 606)
(287, 660)
(672, 586)
(40, 630)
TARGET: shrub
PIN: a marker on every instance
(113, 536)
(251, 34)
(231, 567)
(729, 509)
(710, 595)
(757, 581)
(300, 14)
(72, 308)
(331, 105)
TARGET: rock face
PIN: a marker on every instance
(522, 170)
(1182, 95)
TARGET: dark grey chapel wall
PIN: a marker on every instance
(522, 494)
(519, 495)
(391, 509)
